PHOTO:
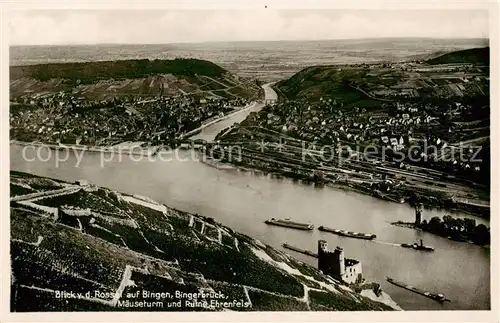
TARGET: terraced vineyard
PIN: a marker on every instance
(93, 249)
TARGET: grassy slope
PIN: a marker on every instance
(145, 78)
(474, 56)
(334, 82)
(93, 71)
(315, 82)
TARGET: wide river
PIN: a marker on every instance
(244, 200)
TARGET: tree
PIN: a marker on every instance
(481, 235)
(414, 199)
(448, 220)
(435, 224)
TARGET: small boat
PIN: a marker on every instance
(417, 246)
(350, 234)
(435, 296)
(290, 224)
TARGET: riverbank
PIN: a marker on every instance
(136, 150)
(309, 175)
(190, 185)
(170, 250)
(211, 122)
(303, 173)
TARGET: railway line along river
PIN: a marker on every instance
(244, 200)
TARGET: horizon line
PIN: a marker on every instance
(253, 41)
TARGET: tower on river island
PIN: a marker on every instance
(418, 214)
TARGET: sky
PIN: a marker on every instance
(64, 27)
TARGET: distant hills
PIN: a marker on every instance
(90, 72)
(473, 56)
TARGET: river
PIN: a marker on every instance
(210, 132)
(244, 200)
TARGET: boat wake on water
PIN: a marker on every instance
(387, 243)
(414, 246)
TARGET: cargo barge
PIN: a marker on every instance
(417, 246)
(437, 297)
(303, 251)
(350, 234)
(405, 224)
(290, 224)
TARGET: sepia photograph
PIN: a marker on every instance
(251, 160)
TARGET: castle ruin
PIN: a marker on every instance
(334, 264)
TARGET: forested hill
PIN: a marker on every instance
(474, 56)
(90, 72)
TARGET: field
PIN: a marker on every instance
(268, 61)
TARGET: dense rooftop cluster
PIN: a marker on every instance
(63, 118)
(435, 143)
(408, 128)
(103, 103)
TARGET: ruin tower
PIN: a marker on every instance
(418, 214)
(331, 263)
(322, 246)
(339, 261)
(323, 256)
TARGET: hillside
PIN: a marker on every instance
(145, 78)
(90, 72)
(372, 85)
(396, 108)
(472, 56)
(87, 248)
(315, 82)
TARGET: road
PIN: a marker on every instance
(369, 95)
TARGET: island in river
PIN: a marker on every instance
(458, 229)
